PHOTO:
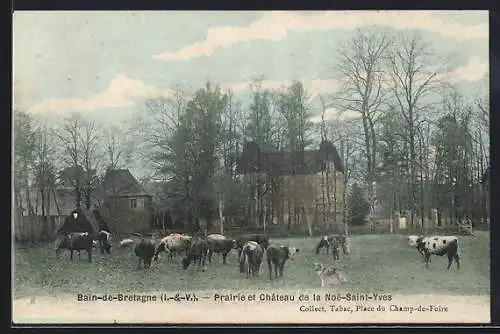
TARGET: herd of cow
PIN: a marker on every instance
(197, 250)
(251, 248)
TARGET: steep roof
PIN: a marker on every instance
(287, 162)
(120, 182)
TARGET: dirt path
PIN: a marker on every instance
(67, 309)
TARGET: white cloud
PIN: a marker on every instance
(475, 69)
(275, 25)
(120, 93)
(313, 87)
(332, 114)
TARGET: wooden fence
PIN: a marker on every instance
(31, 228)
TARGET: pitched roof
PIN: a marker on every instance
(120, 182)
(286, 162)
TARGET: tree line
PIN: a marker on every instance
(415, 142)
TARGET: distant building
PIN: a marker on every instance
(126, 206)
(310, 186)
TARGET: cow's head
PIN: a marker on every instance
(292, 252)
(413, 240)
(75, 214)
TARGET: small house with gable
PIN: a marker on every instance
(125, 204)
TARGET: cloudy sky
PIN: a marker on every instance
(106, 63)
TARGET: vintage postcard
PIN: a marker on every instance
(256, 167)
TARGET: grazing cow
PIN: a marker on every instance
(327, 241)
(251, 258)
(330, 275)
(77, 241)
(104, 240)
(217, 243)
(172, 244)
(145, 250)
(261, 239)
(436, 245)
(277, 256)
(197, 253)
(126, 243)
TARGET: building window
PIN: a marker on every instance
(133, 203)
(140, 202)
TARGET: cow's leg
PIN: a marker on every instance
(139, 264)
(282, 266)
(450, 261)
(89, 253)
(270, 269)
(71, 254)
(427, 260)
(276, 270)
(210, 252)
(224, 257)
(457, 260)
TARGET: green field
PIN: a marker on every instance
(377, 263)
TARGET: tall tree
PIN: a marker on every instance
(414, 70)
(364, 91)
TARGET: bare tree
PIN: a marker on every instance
(44, 171)
(364, 91)
(91, 159)
(415, 72)
(117, 149)
(69, 138)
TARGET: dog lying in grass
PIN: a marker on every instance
(330, 275)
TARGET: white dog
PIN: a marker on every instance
(330, 275)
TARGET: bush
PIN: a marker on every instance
(359, 207)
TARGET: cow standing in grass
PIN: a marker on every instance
(334, 239)
(277, 257)
(172, 244)
(251, 258)
(145, 250)
(77, 241)
(436, 245)
(104, 241)
(197, 253)
(261, 239)
(217, 243)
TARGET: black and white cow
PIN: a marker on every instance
(104, 241)
(217, 243)
(145, 250)
(261, 239)
(277, 257)
(251, 258)
(172, 244)
(333, 241)
(436, 245)
(77, 241)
